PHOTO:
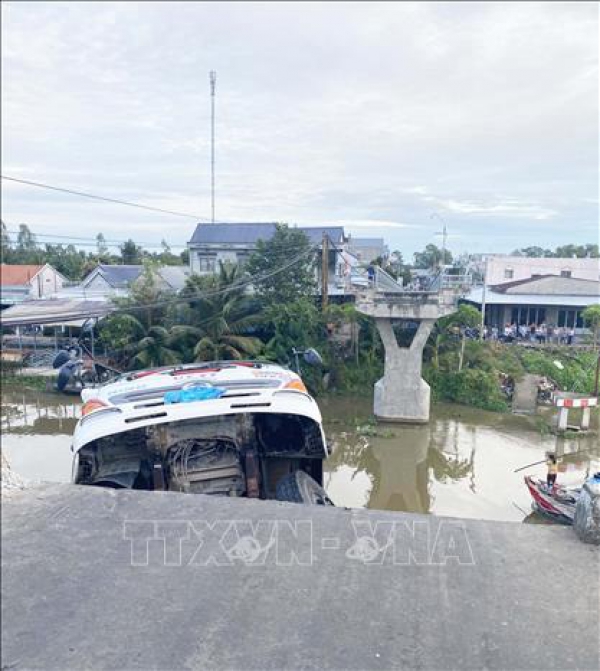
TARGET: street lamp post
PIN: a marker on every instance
(444, 235)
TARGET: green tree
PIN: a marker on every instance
(570, 251)
(155, 349)
(166, 257)
(131, 254)
(134, 345)
(576, 251)
(120, 333)
(26, 248)
(397, 259)
(26, 241)
(101, 246)
(399, 269)
(288, 285)
(452, 327)
(67, 260)
(5, 245)
(591, 318)
(219, 317)
(431, 257)
(293, 324)
(147, 291)
(465, 316)
(532, 252)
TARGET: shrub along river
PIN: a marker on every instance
(461, 464)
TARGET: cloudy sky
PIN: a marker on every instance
(375, 116)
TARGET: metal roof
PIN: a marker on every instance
(116, 276)
(495, 298)
(315, 233)
(53, 311)
(247, 233)
(549, 285)
(232, 233)
(174, 276)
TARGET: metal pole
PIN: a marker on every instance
(325, 272)
(483, 301)
(444, 234)
(213, 84)
(295, 352)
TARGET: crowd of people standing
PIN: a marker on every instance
(535, 333)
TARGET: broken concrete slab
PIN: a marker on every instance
(107, 579)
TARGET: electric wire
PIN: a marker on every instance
(189, 298)
(88, 241)
(106, 199)
(94, 241)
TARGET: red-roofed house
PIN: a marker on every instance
(23, 282)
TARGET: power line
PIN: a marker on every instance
(94, 241)
(104, 198)
(190, 298)
(92, 244)
(196, 296)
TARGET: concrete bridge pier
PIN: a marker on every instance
(401, 395)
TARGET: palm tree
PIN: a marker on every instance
(155, 349)
(221, 317)
(137, 346)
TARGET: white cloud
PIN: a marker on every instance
(326, 112)
(371, 223)
(503, 209)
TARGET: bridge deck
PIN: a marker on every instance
(522, 596)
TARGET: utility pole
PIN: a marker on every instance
(324, 271)
(213, 85)
(444, 235)
(483, 300)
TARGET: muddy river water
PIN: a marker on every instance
(461, 464)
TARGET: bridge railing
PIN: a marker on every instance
(375, 280)
(462, 282)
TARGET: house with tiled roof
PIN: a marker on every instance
(234, 243)
(20, 282)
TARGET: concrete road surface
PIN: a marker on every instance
(99, 579)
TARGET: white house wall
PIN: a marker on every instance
(502, 269)
(47, 282)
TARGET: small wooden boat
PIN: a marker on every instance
(557, 503)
